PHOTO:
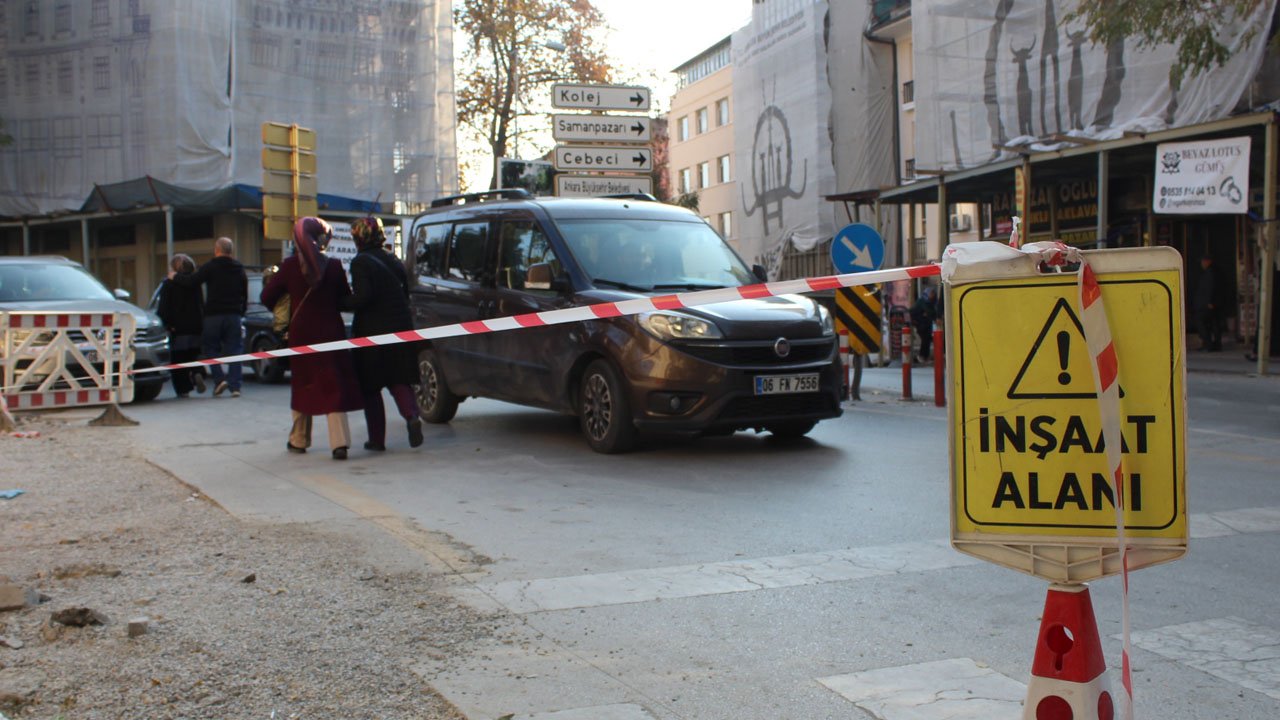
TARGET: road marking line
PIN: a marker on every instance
(633, 586)
(957, 689)
(1230, 648)
(625, 711)
(1235, 522)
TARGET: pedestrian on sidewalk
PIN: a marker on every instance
(1208, 305)
(320, 383)
(226, 298)
(380, 303)
(923, 313)
(179, 308)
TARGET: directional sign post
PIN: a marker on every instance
(565, 96)
(1031, 484)
(602, 128)
(597, 185)
(288, 178)
(857, 248)
(603, 158)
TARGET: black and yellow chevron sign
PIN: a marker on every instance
(858, 311)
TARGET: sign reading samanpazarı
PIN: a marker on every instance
(1031, 486)
(597, 185)
(601, 128)
(1204, 176)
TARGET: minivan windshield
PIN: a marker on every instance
(23, 282)
(653, 254)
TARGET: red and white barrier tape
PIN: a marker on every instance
(1106, 372)
(578, 314)
(57, 398)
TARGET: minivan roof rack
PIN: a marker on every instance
(630, 196)
(475, 197)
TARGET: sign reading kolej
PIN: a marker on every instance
(567, 96)
(1203, 176)
(1031, 485)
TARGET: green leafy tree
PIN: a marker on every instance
(1192, 25)
(513, 51)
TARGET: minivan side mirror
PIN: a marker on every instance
(121, 294)
(541, 276)
(761, 274)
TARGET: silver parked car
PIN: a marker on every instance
(56, 284)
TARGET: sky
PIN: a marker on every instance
(654, 36)
(647, 39)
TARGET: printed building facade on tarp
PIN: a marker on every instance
(96, 92)
(782, 134)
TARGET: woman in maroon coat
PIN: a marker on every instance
(322, 383)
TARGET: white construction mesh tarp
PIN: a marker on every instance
(781, 133)
(102, 92)
(1007, 72)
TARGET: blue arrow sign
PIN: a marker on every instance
(857, 248)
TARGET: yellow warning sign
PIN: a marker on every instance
(1029, 461)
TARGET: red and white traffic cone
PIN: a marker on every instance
(1069, 674)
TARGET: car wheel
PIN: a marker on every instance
(268, 370)
(147, 393)
(603, 411)
(436, 402)
(791, 430)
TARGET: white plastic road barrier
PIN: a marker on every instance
(59, 359)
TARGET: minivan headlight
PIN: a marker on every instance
(828, 323)
(677, 326)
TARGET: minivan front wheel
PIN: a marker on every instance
(436, 402)
(603, 410)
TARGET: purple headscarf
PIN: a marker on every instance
(311, 236)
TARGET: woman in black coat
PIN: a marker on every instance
(180, 309)
(380, 303)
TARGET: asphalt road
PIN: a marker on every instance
(746, 578)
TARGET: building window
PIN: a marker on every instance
(682, 128)
(704, 175)
(102, 73)
(703, 124)
(712, 60)
(32, 79)
(101, 13)
(909, 169)
(908, 92)
(686, 180)
(722, 112)
(31, 19)
(62, 18)
(726, 224)
(66, 138)
(723, 163)
(65, 78)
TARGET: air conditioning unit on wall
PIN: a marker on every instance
(961, 223)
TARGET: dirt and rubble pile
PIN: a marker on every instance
(133, 598)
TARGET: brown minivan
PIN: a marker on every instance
(766, 364)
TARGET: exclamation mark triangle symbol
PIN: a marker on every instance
(1058, 363)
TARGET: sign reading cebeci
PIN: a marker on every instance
(602, 158)
(1029, 462)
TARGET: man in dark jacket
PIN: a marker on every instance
(225, 301)
(1208, 305)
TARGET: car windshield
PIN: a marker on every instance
(25, 282)
(653, 254)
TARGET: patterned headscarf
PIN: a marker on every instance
(311, 236)
(367, 232)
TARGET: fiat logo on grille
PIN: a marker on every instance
(781, 347)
